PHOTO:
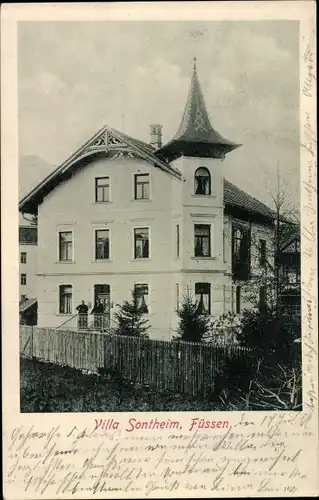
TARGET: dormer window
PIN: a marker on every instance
(202, 181)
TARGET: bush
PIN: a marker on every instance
(270, 334)
(268, 376)
(224, 328)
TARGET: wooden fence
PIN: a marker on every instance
(175, 366)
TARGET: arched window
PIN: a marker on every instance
(202, 181)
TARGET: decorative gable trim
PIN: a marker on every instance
(116, 145)
(107, 141)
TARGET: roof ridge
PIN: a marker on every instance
(148, 146)
(151, 154)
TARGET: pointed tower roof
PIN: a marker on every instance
(196, 136)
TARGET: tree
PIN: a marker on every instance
(194, 325)
(270, 334)
(267, 275)
(130, 318)
(268, 374)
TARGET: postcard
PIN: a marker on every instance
(159, 243)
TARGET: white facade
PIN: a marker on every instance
(168, 272)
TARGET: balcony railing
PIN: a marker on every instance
(290, 288)
(98, 322)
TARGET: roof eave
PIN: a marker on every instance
(176, 148)
(29, 207)
(249, 211)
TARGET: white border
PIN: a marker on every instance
(307, 462)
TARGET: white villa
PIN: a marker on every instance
(121, 214)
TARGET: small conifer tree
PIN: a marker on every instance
(130, 318)
(194, 324)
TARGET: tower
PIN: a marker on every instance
(198, 151)
(196, 137)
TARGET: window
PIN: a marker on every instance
(202, 240)
(224, 298)
(177, 296)
(237, 242)
(102, 299)
(102, 244)
(202, 297)
(28, 235)
(141, 243)
(23, 279)
(262, 252)
(177, 240)
(262, 298)
(141, 292)
(241, 252)
(65, 246)
(102, 189)
(291, 275)
(23, 258)
(202, 181)
(224, 244)
(142, 187)
(296, 309)
(65, 299)
(238, 308)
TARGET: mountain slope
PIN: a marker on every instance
(32, 170)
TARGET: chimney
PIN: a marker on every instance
(156, 135)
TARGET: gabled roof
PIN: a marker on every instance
(107, 141)
(196, 136)
(115, 144)
(237, 198)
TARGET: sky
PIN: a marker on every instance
(74, 77)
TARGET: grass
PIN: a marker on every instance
(48, 388)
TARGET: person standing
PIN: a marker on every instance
(97, 311)
(83, 311)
